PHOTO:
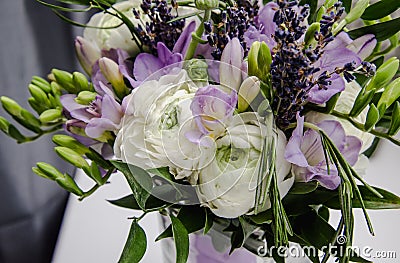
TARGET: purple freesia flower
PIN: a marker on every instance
(146, 64)
(305, 152)
(103, 114)
(212, 109)
(101, 84)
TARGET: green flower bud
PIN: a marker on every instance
(197, 69)
(248, 91)
(51, 115)
(111, 72)
(85, 97)
(372, 117)
(80, 81)
(11, 106)
(22, 116)
(39, 108)
(69, 184)
(389, 95)
(69, 142)
(64, 79)
(72, 157)
(95, 174)
(40, 173)
(259, 60)
(384, 74)
(206, 4)
(55, 101)
(357, 11)
(4, 124)
(310, 33)
(395, 123)
(10, 130)
(50, 171)
(39, 95)
(320, 13)
(41, 83)
(363, 99)
(56, 88)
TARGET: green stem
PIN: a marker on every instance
(196, 35)
(30, 139)
(97, 186)
(360, 126)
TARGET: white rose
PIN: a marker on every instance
(119, 37)
(344, 105)
(153, 131)
(228, 184)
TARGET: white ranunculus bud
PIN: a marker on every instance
(344, 105)
(228, 184)
(119, 37)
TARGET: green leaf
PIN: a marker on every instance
(382, 31)
(395, 122)
(135, 245)
(139, 181)
(181, 237)
(380, 9)
(372, 117)
(192, 217)
(185, 16)
(357, 11)
(347, 5)
(389, 95)
(129, 201)
(372, 148)
(303, 188)
(162, 172)
(371, 201)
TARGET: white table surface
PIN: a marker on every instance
(95, 231)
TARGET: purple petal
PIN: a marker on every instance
(336, 58)
(335, 132)
(320, 96)
(69, 103)
(363, 46)
(293, 153)
(266, 18)
(352, 149)
(164, 54)
(97, 126)
(82, 115)
(330, 181)
(184, 39)
(342, 40)
(111, 109)
(231, 62)
(145, 65)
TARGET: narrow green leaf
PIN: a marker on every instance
(130, 202)
(382, 31)
(138, 179)
(185, 16)
(380, 9)
(135, 245)
(347, 5)
(181, 237)
(395, 122)
(389, 96)
(313, 8)
(357, 11)
(192, 217)
(371, 201)
(209, 222)
(303, 188)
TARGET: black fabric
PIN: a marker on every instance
(33, 40)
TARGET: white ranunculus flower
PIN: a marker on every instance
(228, 184)
(154, 129)
(344, 105)
(119, 37)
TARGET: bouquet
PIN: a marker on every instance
(259, 116)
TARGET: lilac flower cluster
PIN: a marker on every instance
(234, 22)
(159, 28)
